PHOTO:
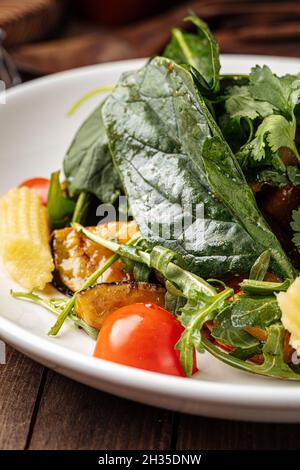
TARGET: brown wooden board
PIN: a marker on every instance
(20, 381)
(73, 416)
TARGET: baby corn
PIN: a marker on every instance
(24, 238)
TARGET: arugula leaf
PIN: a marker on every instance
(260, 267)
(193, 318)
(236, 337)
(60, 208)
(174, 303)
(173, 160)
(273, 353)
(247, 352)
(240, 104)
(88, 164)
(225, 331)
(295, 224)
(258, 287)
(255, 311)
(282, 93)
(201, 51)
(274, 132)
(204, 304)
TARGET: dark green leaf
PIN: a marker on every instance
(240, 104)
(174, 303)
(141, 272)
(88, 164)
(295, 224)
(246, 353)
(60, 208)
(255, 311)
(237, 132)
(260, 267)
(235, 337)
(200, 51)
(274, 132)
(193, 317)
(257, 287)
(282, 93)
(173, 161)
(273, 366)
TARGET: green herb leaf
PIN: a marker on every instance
(254, 311)
(193, 317)
(235, 337)
(282, 93)
(240, 104)
(60, 208)
(274, 132)
(291, 175)
(295, 224)
(257, 287)
(247, 352)
(173, 160)
(200, 51)
(273, 366)
(260, 267)
(88, 164)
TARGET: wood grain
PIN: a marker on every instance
(73, 416)
(20, 380)
(210, 434)
(29, 20)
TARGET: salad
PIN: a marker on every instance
(176, 227)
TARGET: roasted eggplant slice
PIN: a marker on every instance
(76, 257)
(95, 303)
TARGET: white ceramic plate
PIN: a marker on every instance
(35, 133)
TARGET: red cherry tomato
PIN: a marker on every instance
(40, 186)
(143, 336)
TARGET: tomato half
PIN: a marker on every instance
(143, 336)
(40, 186)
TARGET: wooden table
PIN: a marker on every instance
(40, 409)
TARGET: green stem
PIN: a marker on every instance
(123, 250)
(56, 306)
(251, 286)
(172, 273)
(88, 283)
(88, 96)
(273, 365)
(81, 207)
(209, 309)
(70, 303)
(44, 302)
(177, 34)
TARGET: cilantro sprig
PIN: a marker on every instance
(295, 224)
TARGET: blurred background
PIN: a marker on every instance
(40, 37)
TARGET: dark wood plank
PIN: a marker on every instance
(20, 379)
(210, 434)
(73, 416)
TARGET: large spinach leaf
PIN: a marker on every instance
(200, 51)
(88, 164)
(175, 165)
